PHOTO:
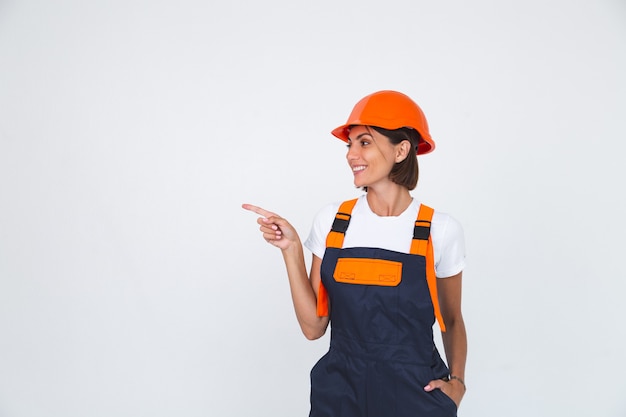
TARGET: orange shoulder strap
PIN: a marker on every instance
(335, 240)
(340, 225)
(422, 244)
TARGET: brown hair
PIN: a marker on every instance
(405, 172)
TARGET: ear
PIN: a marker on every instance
(402, 150)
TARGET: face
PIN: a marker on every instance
(371, 156)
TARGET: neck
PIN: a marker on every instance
(391, 201)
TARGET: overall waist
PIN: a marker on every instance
(415, 354)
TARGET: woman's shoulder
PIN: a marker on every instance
(325, 215)
(446, 222)
(330, 209)
(322, 224)
(445, 219)
(443, 224)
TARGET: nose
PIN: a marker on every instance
(353, 153)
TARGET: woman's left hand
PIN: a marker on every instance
(452, 388)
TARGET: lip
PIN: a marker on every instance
(357, 169)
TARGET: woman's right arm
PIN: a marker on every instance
(304, 293)
(278, 232)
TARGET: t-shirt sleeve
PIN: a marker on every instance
(323, 221)
(452, 251)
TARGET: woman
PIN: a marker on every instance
(384, 268)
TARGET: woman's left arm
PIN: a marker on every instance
(454, 338)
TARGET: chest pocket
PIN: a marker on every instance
(366, 271)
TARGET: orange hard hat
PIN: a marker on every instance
(390, 110)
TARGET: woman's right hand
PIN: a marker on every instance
(276, 230)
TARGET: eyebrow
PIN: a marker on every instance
(361, 135)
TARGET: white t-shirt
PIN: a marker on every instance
(367, 229)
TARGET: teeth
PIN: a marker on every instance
(359, 168)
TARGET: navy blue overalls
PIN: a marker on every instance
(382, 311)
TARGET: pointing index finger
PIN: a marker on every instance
(258, 210)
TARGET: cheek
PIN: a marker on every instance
(384, 151)
(386, 155)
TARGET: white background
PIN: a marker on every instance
(133, 284)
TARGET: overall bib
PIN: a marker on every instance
(382, 311)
